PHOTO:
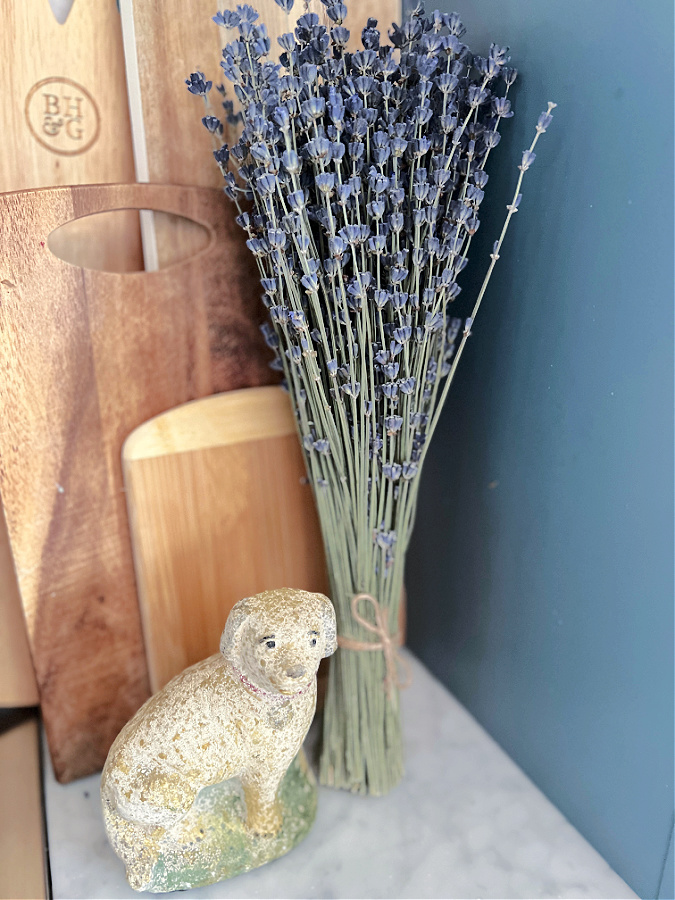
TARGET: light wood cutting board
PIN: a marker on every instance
(65, 114)
(219, 509)
(87, 356)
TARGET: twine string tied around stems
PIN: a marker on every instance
(387, 644)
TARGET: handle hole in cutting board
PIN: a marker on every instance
(108, 241)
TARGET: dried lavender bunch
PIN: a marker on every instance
(359, 178)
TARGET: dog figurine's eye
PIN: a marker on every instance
(313, 642)
(270, 644)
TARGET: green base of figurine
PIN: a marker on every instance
(212, 843)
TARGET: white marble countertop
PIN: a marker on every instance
(465, 823)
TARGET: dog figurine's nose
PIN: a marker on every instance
(296, 671)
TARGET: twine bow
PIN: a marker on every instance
(387, 644)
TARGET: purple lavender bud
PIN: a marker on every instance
(491, 139)
(291, 162)
(286, 5)
(310, 283)
(398, 300)
(314, 108)
(212, 124)
(391, 370)
(276, 238)
(351, 234)
(513, 207)
(403, 334)
(257, 247)
(480, 178)
(286, 42)
(325, 182)
(322, 446)
(393, 424)
(351, 390)
(266, 185)
(384, 539)
(332, 367)
(337, 12)
(396, 222)
(398, 274)
(196, 84)
(528, 159)
(454, 24)
(377, 244)
(477, 95)
(302, 242)
(318, 149)
(543, 122)
(297, 201)
(308, 442)
(298, 320)
(294, 354)
(474, 194)
(433, 322)
(502, 107)
(392, 471)
(509, 75)
(390, 390)
(409, 470)
(339, 36)
(227, 19)
(381, 298)
(344, 192)
(336, 247)
(222, 155)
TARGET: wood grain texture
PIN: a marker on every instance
(86, 357)
(220, 509)
(64, 108)
(18, 686)
(22, 841)
(43, 63)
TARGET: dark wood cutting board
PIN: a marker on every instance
(85, 357)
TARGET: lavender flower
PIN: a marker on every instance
(362, 171)
(196, 84)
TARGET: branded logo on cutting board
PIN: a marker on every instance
(62, 116)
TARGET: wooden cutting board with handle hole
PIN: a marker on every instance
(219, 508)
(65, 120)
(87, 356)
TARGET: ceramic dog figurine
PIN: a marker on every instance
(242, 713)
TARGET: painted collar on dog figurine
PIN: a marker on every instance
(275, 698)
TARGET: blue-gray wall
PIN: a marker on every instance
(541, 572)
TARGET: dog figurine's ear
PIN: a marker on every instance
(235, 620)
(329, 625)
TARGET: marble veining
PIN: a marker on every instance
(464, 823)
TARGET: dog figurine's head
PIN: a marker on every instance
(276, 639)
